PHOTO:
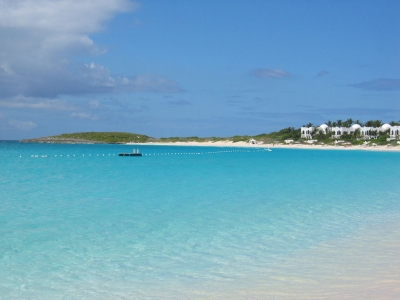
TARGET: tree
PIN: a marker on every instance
(357, 133)
(374, 123)
(377, 123)
(348, 123)
(345, 136)
(339, 123)
(373, 132)
(359, 123)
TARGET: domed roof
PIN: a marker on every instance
(356, 126)
(386, 126)
(323, 126)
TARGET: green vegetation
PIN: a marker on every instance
(278, 136)
(241, 138)
(350, 122)
(289, 133)
(104, 137)
(348, 138)
(186, 139)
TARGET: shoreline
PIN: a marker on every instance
(271, 146)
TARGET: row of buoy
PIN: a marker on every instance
(72, 155)
(151, 154)
(197, 153)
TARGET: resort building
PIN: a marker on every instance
(306, 132)
(394, 132)
(364, 132)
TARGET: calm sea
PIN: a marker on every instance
(79, 222)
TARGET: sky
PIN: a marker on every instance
(195, 68)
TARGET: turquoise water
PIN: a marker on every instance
(79, 222)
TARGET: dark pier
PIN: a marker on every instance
(134, 153)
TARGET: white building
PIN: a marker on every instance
(338, 131)
(252, 141)
(365, 132)
(306, 132)
(394, 132)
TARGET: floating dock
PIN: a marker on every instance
(134, 153)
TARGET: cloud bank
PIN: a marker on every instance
(22, 125)
(383, 84)
(35, 103)
(270, 73)
(39, 39)
(179, 102)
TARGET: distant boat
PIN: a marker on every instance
(269, 150)
(134, 153)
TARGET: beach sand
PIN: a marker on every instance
(364, 265)
(272, 146)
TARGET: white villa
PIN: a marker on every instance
(365, 132)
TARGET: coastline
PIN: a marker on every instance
(272, 146)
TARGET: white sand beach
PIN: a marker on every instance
(275, 145)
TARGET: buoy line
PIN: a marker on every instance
(146, 154)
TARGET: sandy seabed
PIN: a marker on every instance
(363, 266)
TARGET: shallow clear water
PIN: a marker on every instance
(77, 221)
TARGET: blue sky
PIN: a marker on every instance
(195, 68)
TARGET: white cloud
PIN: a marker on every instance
(35, 103)
(38, 39)
(44, 29)
(82, 115)
(270, 73)
(94, 103)
(22, 125)
(148, 83)
(95, 78)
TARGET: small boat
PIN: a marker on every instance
(269, 150)
(134, 153)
